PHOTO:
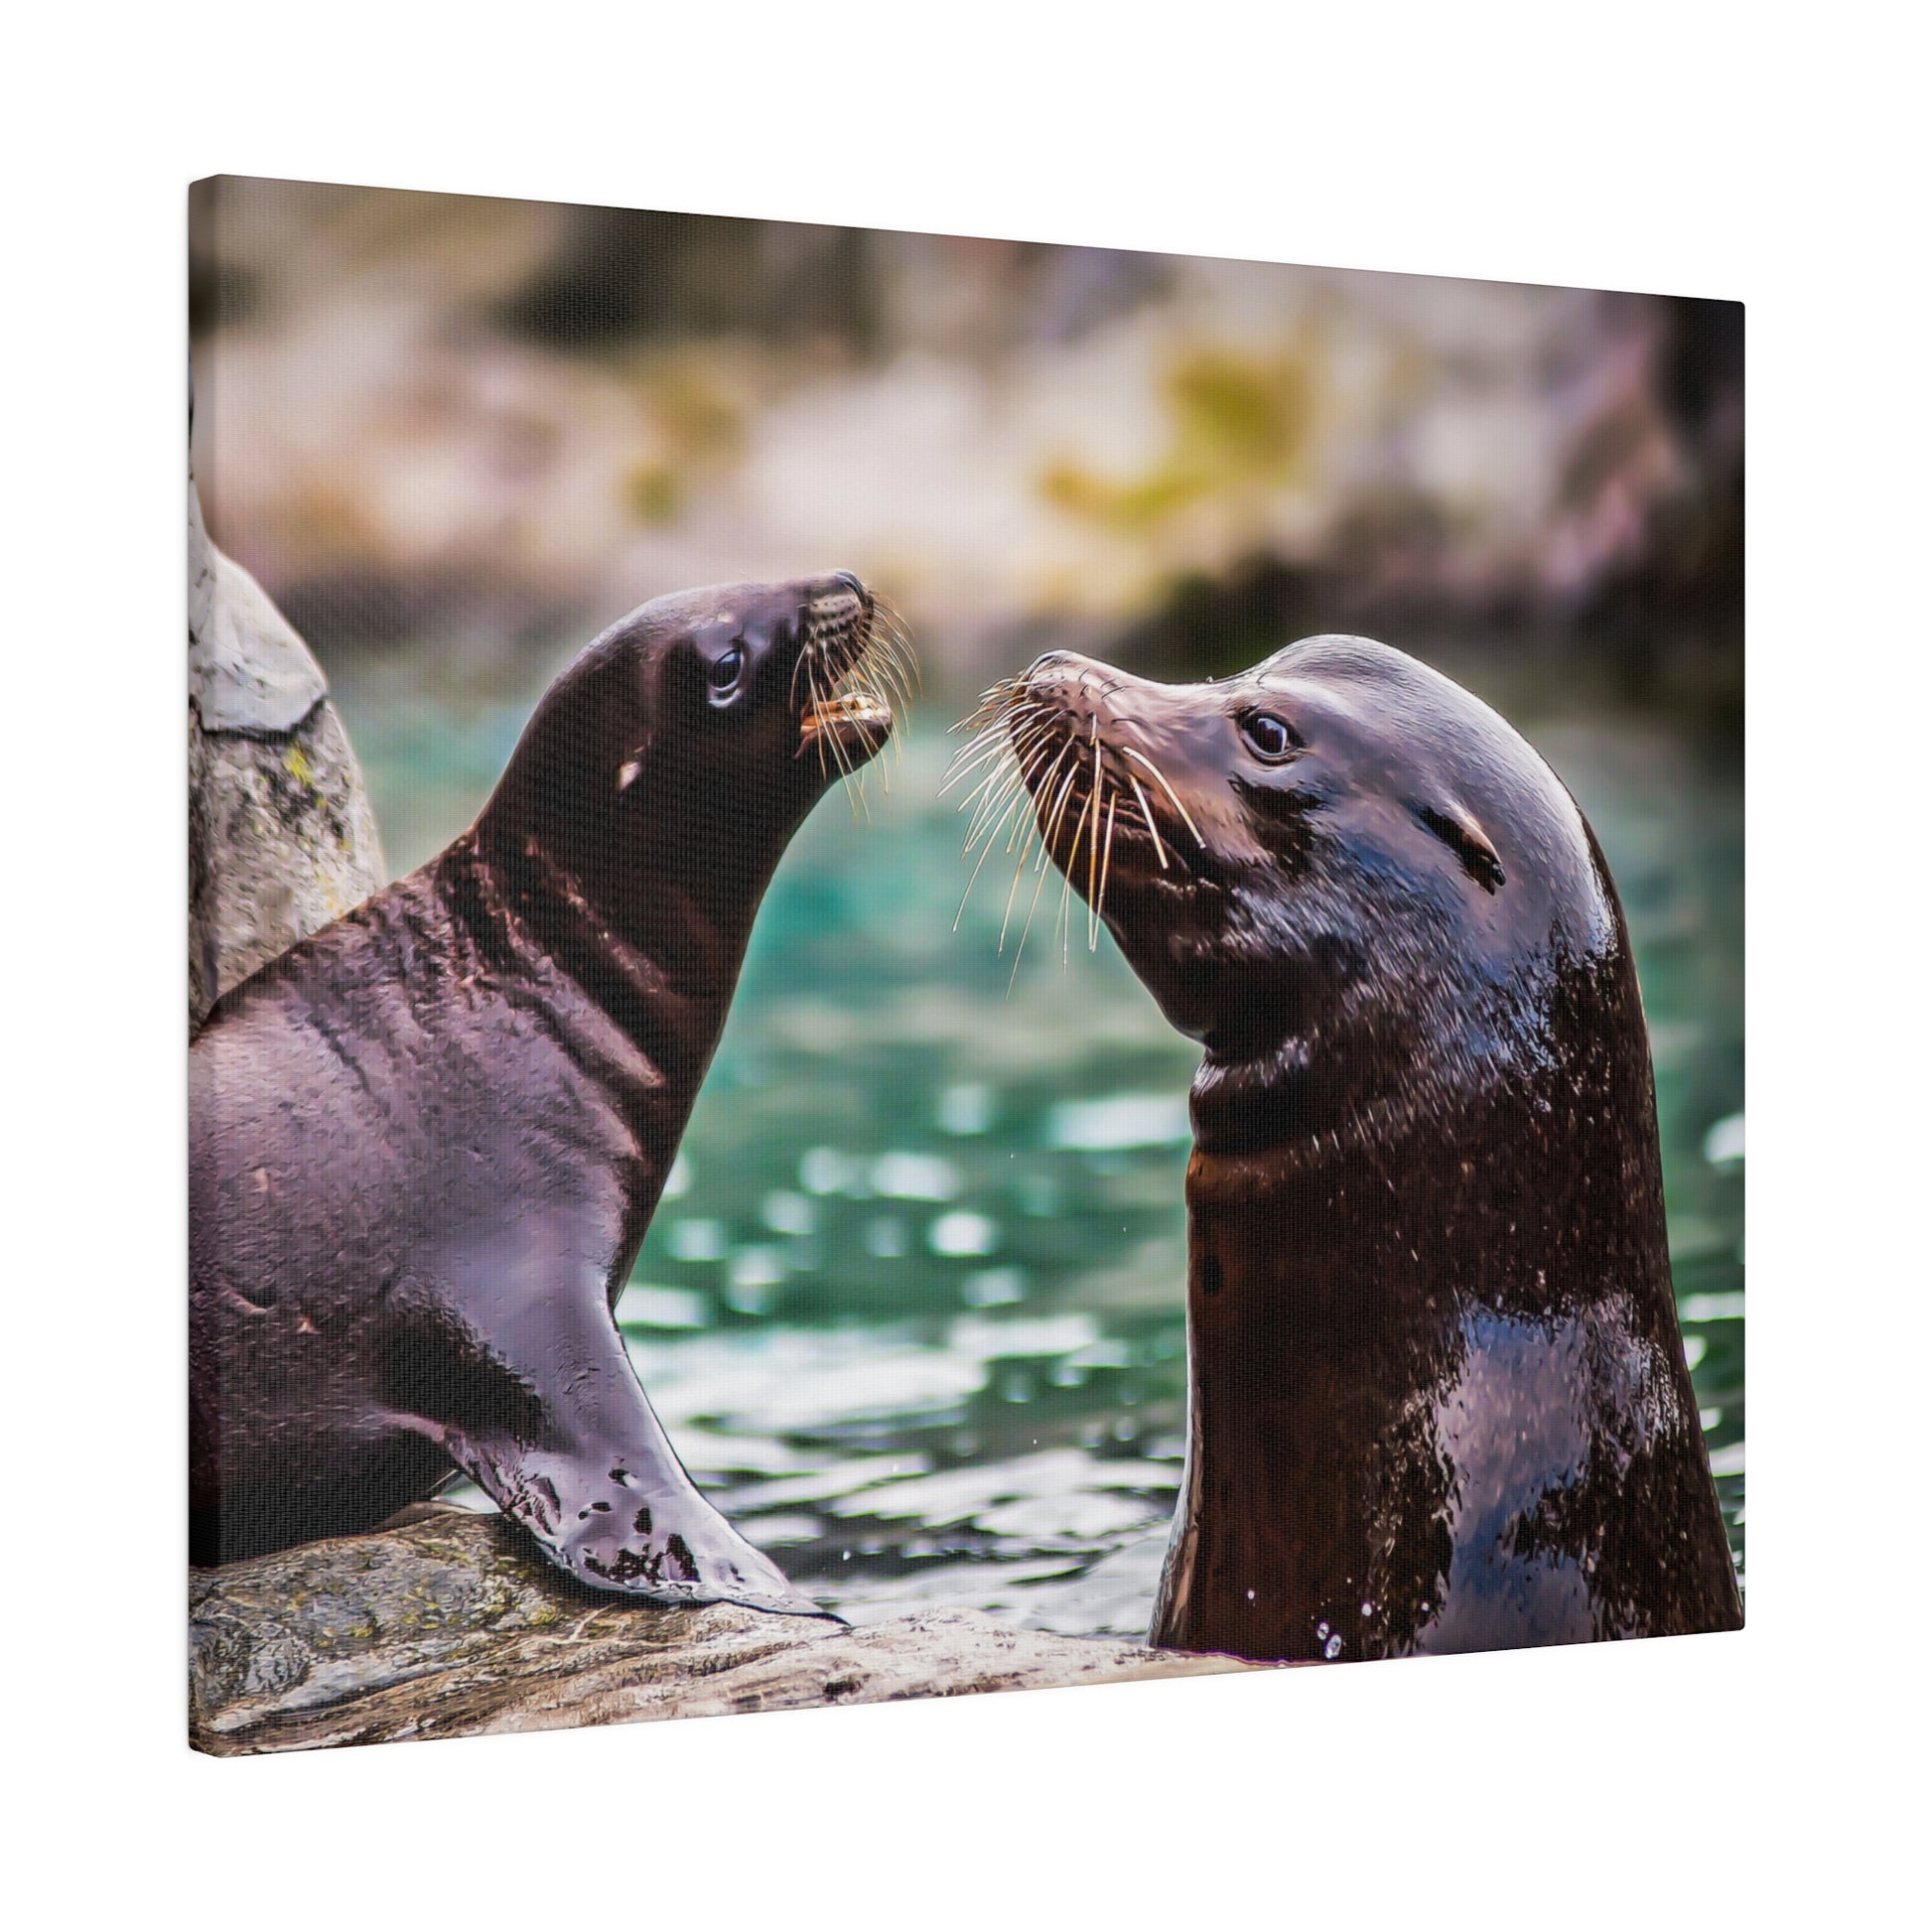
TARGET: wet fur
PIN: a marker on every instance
(427, 1141)
(1438, 1394)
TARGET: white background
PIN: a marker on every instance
(1697, 150)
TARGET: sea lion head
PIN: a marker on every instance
(686, 744)
(1340, 870)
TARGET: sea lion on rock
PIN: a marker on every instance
(426, 1141)
(1437, 1397)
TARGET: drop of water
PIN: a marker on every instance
(1368, 1609)
(1331, 1649)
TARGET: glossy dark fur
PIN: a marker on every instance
(426, 1142)
(1438, 1395)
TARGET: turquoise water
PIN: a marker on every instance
(912, 1306)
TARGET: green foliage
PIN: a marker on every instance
(1237, 423)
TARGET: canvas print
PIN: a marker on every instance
(922, 964)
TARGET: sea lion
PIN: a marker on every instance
(426, 1141)
(1437, 1397)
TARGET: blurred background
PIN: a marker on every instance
(913, 1304)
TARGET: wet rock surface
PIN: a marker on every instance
(454, 1626)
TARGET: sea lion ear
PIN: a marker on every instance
(1458, 828)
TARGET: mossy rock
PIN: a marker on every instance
(281, 839)
(455, 1626)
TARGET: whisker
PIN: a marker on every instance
(1011, 835)
(1020, 949)
(1005, 789)
(985, 734)
(1013, 750)
(1050, 832)
(1053, 823)
(898, 671)
(854, 794)
(1162, 777)
(1067, 882)
(994, 727)
(1093, 843)
(900, 650)
(1031, 819)
(887, 621)
(1034, 754)
(999, 769)
(997, 786)
(814, 698)
(975, 755)
(1043, 790)
(1106, 860)
(1094, 857)
(1018, 872)
(994, 811)
(1147, 815)
(992, 706)
(986, 854)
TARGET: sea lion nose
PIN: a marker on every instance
(1055, 669)
(1067, 678)
(834, 589)
(831, 598)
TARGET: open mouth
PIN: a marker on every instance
(851, 670)
(856, 720)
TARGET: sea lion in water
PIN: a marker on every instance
(1437, 1397)
(426, 1141)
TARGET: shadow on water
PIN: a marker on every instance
(912, 1305)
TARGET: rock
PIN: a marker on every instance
(454, 1626)
(280, 835)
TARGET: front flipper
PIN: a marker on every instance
(548, 1419)
(626, 1518)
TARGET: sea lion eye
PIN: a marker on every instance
(1269, 737)
(726, 669)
